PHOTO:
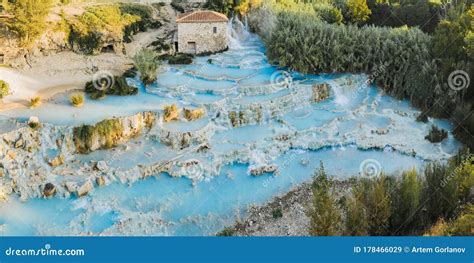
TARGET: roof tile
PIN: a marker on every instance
(201, 16)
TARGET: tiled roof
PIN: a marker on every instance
(201, 17)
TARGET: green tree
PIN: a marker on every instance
(356, 223)
(378, 206)
(147, 63)
(463, 225)
(439, 192)
(222, 6)
(406, 205)
(28, 19)
(324, 214)
(358, 11)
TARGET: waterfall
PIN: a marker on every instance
(341, 99)
(237, 32)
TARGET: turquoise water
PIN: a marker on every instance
(341, 135)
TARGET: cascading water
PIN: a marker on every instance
(341, 99)
(237, 32)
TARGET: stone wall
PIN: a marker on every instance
(204, 37)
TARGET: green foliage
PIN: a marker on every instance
(406, 202)
(421, 13)
(147, 63)
(28, 19)
(439, 192)
(181, 59)
(227, 232)
(222, 6)
(177, 5)
(357, 11)
(329, 13)
(436, 135)
(4, 89)
(356, 222)
(277, 213)
(77, 100)
(120, 87)
(35, 102)
(99, 25)
(313, 47)
(324, 214)
(464, 224)
(416, 64)
(108, 130)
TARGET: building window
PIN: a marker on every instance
(2, 59)
(214, 30)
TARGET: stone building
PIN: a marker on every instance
(201, 31)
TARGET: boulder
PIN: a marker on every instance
(101, 166)
(170, 113)
(263, 169)
(320, 92)
(193, 114)
(100, 181)
(20, 143)
(85, 189)
(71, 186)
(56, 161)
(49, 190)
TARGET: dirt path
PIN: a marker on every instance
(65, 71)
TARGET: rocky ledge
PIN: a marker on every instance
(284, 215)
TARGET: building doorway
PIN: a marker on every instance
(192, 47)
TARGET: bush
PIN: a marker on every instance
(310, 47)
(35, 102)
(77, 100)
(227, 232)
(436, 135)
(28, 19)
(277, 213)
(147, 63)
(108, 130)
(4, 89)
(170, 112)
(119, 87)
(181, 59)
(100, 25)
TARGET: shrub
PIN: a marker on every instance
(108, 130)
(77, 100)
(436, 135)
(193, 114)
(4, 89)
(277, 213)
(181, 58)
(28, 19)
(100, 25)
(324, 213)
(170, 113)
(35, 102)
(147, 63)
(119, 87)
(227, 232)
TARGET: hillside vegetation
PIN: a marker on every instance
(430, 66)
